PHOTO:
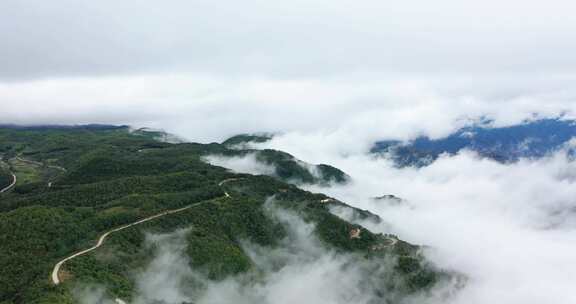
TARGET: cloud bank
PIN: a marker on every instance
(359, 111)
(509, 228)
(242, 164)
(205, 71)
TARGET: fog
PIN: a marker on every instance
(508, 228)
(300, 270)
(206, 109)
(242, 164)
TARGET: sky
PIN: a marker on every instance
(283, 39)
(332, 77)
(206, 70)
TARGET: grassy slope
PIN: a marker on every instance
(114, 178)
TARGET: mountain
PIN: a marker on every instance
(158, 135)
(78, 185)
(532, 139)
(284, 166)
(289, 169)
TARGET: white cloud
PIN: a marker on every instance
(300, 270)
(354, 112)
(242, 164)
(284, 38)
(509, 228)
(164, 278)
(207, 70)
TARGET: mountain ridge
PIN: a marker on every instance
(110, 178)
(531, 139)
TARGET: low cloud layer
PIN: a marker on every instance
(509, 228)
(242, 164)
(353, 112)
(250, 164)
(300, 270)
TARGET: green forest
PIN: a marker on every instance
(76, 183)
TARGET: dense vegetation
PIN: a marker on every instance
(292, 170)
(78, 183)
(287, 167)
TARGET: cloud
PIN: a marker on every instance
(283, 40)
(353, 112)
(251, 164)
(242, 164)
(508, 228)
(165, 277)
(300, 270)
(92, 295)
(206, 71)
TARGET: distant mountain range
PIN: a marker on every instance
(533, 139)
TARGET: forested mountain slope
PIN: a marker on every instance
(77, 183)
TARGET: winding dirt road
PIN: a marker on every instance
(56, 270)
(227, 181)
(14, 179)
(102, 238)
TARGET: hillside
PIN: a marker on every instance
(75, 184)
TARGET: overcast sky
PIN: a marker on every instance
(209, 65)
